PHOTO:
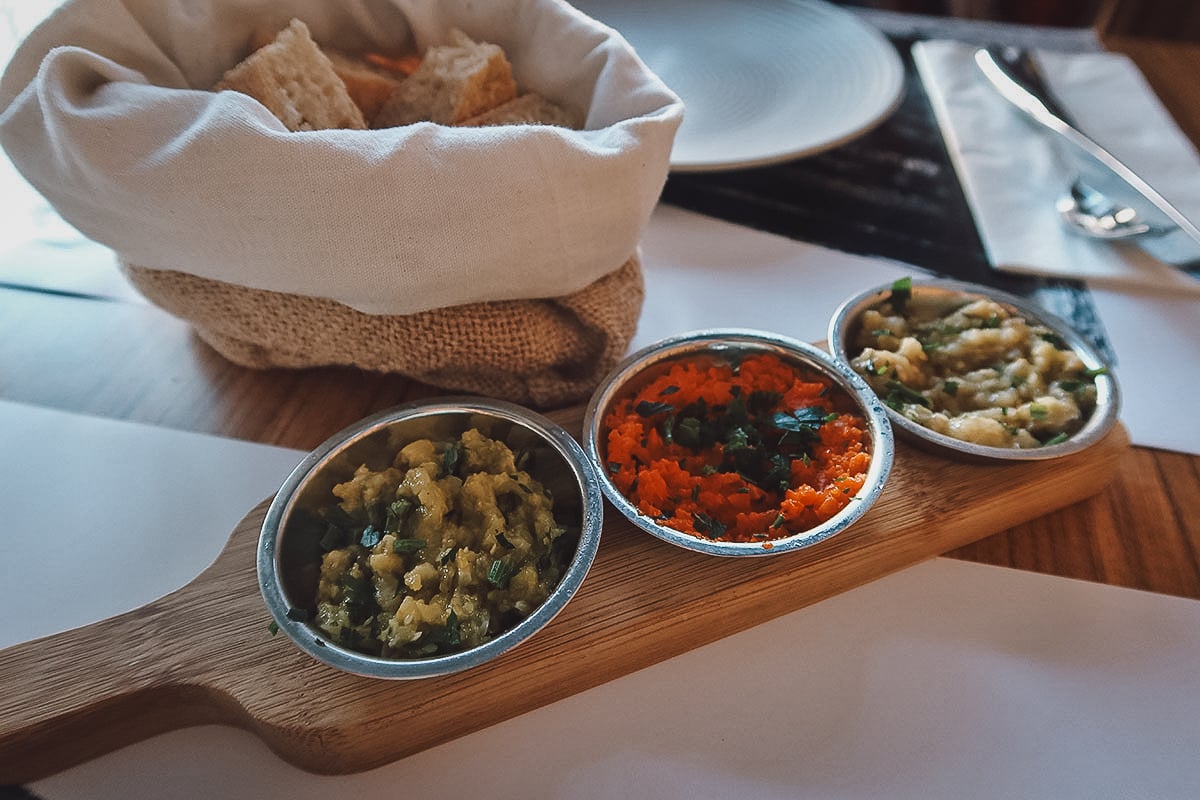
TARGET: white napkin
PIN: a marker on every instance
(1012, 176)
(105, 109)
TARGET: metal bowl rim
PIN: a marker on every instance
(311, 641)
(701, 341)
(1098, 425)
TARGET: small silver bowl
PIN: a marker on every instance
(844, 326)
(289, 553)
(724, 345)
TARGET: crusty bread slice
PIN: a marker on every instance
(528, 109)
(369, 85)
(456, 81)
(296, 82)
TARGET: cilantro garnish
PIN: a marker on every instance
(397, 513)
(447, 637)
(901, 293)
(500, 574)
(900, 395)
(708, 526)
(451, 459)
(803, 420)
(648, 408)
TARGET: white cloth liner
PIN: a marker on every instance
(105, 109)
(1012, 176)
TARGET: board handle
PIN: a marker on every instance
(76, 695)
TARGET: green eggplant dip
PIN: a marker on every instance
(447, 548)
(973, 370)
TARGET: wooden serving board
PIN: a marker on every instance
(203, 654)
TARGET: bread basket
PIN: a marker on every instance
(498, 260)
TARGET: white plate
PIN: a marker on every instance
(762, 80)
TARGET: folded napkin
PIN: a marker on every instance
(1012, 174)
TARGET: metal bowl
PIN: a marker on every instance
(843, 328)
(644, 365)
(289, 553)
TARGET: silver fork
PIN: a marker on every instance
(1164, 231)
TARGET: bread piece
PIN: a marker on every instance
(296, 82)
(369, 86)
(456, 81)
(528, 109)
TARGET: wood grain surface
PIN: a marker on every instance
(203, 654)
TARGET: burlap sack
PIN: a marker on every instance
(383, 249)
(544, 353)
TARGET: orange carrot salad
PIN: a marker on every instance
(744, 452)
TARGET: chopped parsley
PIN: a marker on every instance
(407, 545)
